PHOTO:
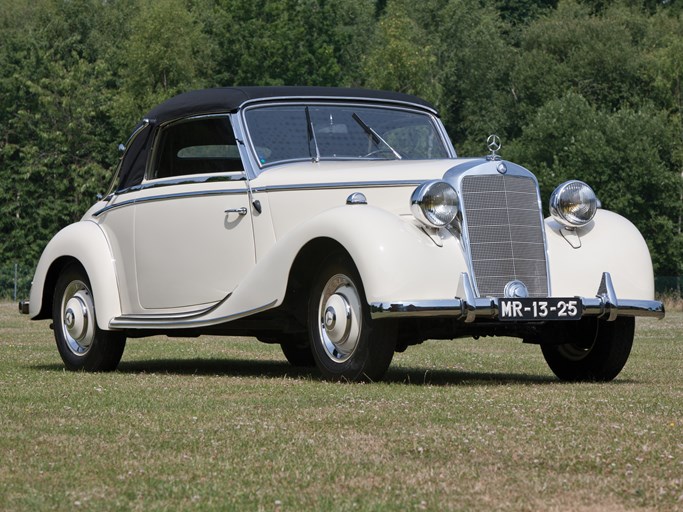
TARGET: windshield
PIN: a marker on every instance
(323, 132)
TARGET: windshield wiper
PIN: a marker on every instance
(374, 135)
(311, 136)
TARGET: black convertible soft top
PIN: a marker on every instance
(230, 99)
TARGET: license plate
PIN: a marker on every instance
(551, 308)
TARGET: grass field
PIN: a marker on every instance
(227, 424)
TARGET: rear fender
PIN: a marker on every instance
(85, 243)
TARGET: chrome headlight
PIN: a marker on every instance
(573, 204)
(434, 203)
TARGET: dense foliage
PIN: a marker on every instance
(588, 89)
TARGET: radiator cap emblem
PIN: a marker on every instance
(516, 290)
(494, 145)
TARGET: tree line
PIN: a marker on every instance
(586, 89)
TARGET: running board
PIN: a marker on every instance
(183, 321)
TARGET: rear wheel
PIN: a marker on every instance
(346, 343)
(81, 343)
(597, 351)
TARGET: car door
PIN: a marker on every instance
(193, 236)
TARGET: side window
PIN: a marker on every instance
(196, 146)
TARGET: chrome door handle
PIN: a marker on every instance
(241, 211)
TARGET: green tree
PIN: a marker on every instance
(584, 79)
(518, 12)
(400, 57)
(570, 49)
(666, 69)
(290, 42)
(559, 80)
(475, 59)
(166, 52)
(623, 155)
(54, 128)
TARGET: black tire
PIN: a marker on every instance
(597, 352)
(298, 354)
(81, 343)
(347, 344)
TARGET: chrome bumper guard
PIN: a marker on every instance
(468, 308)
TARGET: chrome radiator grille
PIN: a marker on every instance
(504, 226)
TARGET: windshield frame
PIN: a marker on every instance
(260, 166)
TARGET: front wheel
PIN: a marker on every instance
(347, 344)
(298, 353)
(596, 350)
(81, 343)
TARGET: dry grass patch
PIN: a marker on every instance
(673, 301)
(226, 424)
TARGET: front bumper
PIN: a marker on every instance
(468, 308)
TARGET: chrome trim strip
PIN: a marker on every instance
(250, 166)
(267, 188)
(335, 100)
(418, 309)
(179, 322)
(468, 308)
(176, 315)
(173, 316)
(164, 197)
(338, 185)
(186, 180)
(144, 124)
(650, 308)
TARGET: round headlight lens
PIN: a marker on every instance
(434, 203)
(573, 204)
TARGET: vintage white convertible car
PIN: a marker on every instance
(340, 224)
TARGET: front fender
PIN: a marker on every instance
(610, 243)
(86, 243)
(394, 257)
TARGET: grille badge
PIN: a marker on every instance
(516, 290)
(502, 168)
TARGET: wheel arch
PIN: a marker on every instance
(83, 243)
(49, 283)
(382, 246)
(304, 269)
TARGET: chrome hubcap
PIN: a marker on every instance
(78, 320)
(69, 319)
(330, 318)
(340, 318)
